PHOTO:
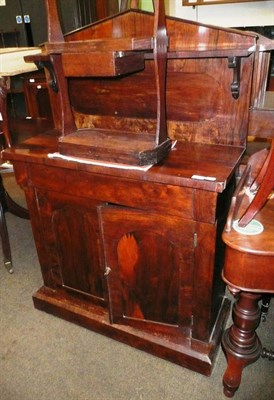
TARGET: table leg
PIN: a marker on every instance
(240, 342)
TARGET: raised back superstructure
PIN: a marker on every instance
(123, 88)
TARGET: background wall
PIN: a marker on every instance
(35, 9)
(147, 5)
(259, 13)
(237, 14)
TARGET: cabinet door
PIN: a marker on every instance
(71, 242)
(149, 266)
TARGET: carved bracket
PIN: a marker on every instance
(235, 63)
(53, 81)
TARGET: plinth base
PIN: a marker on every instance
(189, 353)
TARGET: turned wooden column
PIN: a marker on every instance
(240, 342)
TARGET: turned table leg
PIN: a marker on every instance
(240, 342)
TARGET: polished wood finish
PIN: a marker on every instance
(162, 209)
(248, 266)
(264, 187)
(55, 33)
(136, 254)
(105, 8)
(253, 275)
(145, 43)
(114, 57)
(241, 344)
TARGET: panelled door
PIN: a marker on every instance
(71, 240)
(149, 266)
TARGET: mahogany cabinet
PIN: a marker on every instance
(135, 255)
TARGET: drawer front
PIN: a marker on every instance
(174, 200)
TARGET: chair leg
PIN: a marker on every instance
(268, 353)
(265, 306)
(5, 241)
(240, 342)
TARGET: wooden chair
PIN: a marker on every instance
(249, 264)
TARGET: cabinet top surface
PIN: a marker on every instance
(212, 164)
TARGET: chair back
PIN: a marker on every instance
(254, 188)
